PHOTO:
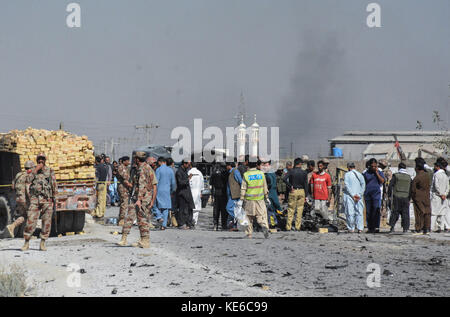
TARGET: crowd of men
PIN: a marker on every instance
(149, 186)
(243, 185)
(428, 191)
(384, 196)
(236, 186)
(174, 196)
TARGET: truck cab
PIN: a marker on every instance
(9, 167)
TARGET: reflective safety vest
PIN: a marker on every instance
(255, 185)
(402, 185)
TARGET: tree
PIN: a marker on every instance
(443, 141)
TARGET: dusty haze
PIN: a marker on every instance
(311, 67)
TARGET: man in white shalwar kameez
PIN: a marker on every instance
(197, 185)
(439, 203)
(353, 202)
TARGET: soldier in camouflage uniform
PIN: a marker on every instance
(305, 159)
(142, 200)
(124, 178)
(20, 186)
(42, 196)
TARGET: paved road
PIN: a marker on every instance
(206, 263)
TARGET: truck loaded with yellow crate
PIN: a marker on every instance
(72, 159)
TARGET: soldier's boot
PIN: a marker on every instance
(26, 245)
(10, 229)
(42, 246)
(143, 243)
(123, 242)
(14, 225)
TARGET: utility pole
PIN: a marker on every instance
(148, 128)
(113, 149)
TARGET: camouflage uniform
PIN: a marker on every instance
(143, 184)
(42, 191)
(123, 175)
(20, 187)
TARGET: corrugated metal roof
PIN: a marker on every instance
(387, 138)
(389, 152)
(398, 133)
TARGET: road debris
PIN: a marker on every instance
(388, 273)
(336, 266)
(435, 261)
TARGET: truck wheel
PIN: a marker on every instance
(64, 222)
(5, 214)
(78, 221)
(55, 225)
(67, 223)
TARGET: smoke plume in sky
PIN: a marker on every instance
(312, 67)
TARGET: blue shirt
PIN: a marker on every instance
(231, 203)
(166, 185)
(237, 175)
(373, 186)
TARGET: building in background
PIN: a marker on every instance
(362, 145)
(241, 138)
(247, 139)
(254, 139)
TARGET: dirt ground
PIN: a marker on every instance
(202, 262)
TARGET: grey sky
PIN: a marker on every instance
(311, 67)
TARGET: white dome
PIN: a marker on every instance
(242, 126)
(255, 124)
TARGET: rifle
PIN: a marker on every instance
(54, 216)
(133, 188)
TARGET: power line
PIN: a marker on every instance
(148, 129)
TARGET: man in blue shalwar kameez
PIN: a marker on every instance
(166, 186)
(233, 192)
(355, 186)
